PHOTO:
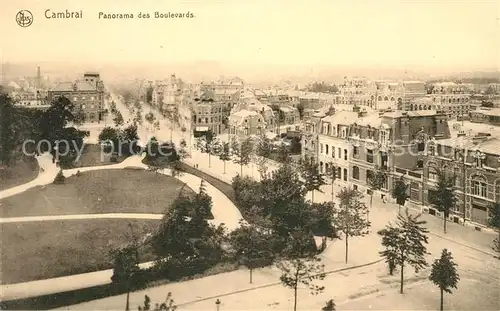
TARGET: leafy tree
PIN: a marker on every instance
(331, 173)
(262, 166)
(400, 192)
(118, 119)
(442, 197)
(168, 305)
(297, 270)
(242, 152)
(444, 275)
(9, 130)
(251, 247)
(225, 154)
(129, 138)
(405, 243)
(284, 154)
(264, 147)
(126, 268)
(494, 222)
(376, 182)
(322, 221)
(351, 216)
(110, 134)
(329, 306)
(313, 178)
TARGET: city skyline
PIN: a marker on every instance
(428, 36)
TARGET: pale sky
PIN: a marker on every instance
(308, 32)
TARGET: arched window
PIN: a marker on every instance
(411, 107)
(380, 98)
(479, 186)
(326, 149)
(327, 167)
(320, 148)
(355, 172)
(425, 107)
(339, 172)
(321, 167)
(392, 99)
(419, 107)
(386, 98)
(433, 173)
(457, 175)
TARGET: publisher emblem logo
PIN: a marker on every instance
(24, 18)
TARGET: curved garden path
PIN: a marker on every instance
(223, 210)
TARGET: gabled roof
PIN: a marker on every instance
(69, 86)
(342, 117)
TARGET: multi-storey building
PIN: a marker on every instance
(253, 104)
(451, 98)
(357, 91)
(85, 95)
(334, 148)
(474, 161)
(207, 113)
(245, 123)
(395, 142)
(389, 95)
(486, 115)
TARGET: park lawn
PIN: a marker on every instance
(48, 249)
(23, 171)
(101, 191)
(93, 156)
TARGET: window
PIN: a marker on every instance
(345, 174)
(383, 137)
(345, 154)
(456, 173)
(420, 163)
(83, 106)
(339, 173)
(92, 98)
(479, 187)
(340, 153)
(355, 172)
(75, 98)
(83, 97)
(320, 148)
(326, 149)
(420, 146)
(369, 176)
(369, 155)
(383, 159)
(433, 173)
(355, 152)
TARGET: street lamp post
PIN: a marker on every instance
(217, 304)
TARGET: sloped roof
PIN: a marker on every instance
(490, 145)
(342, 117)
(68, 86)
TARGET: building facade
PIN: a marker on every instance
(245, 123)
(207, 113)
(474, 162)
(87, 96)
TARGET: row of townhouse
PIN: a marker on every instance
(403, 143)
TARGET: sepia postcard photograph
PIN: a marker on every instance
(250, 155)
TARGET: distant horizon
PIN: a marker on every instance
(191, 70)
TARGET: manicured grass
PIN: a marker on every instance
(93, 156)
(40, 250)
(23, 171)
(102, 191)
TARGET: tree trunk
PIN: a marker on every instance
(402, 279)
(371, 204)
(332, 192)
(251, 275)
(224, 167)
(441, 305)
(295, 298)
(346, 247)
(444, 222)
(127, 304)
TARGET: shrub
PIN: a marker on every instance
(59, 178)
